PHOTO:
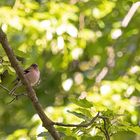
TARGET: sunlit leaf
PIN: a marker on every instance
(69, 138)
(82, 102)
(135, 129)
(11, 70)
(21, 53)
(93, 138)
(85, 111)
(79, 115)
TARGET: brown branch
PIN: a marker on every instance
(100, 128)
(78, 125)
(106, 133)
(47, 123)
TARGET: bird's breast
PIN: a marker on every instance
(33, 77)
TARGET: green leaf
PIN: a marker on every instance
(79, 115)
(91, 138)
(10, 70)
(21, 53)
(48, 135)
(125, 126)
(135, 129)
(1, 69)
(82, 102)
(69, 138)
(5, 58)
(85, 112)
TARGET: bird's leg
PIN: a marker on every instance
(14, 88)
(16, 97)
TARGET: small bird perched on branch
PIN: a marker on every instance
(32, 74)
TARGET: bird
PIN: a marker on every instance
(32, 74)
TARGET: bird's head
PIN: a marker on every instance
(34, 66)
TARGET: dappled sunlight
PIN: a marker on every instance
(45, 24)
(40, 129)
(61, 29)
(89, 63)
(50, 110)
(134, 69)
(103, 9)
(49, 35)
(129, 91)
(20, 134)
(82, 95)
(60, 43)
(78, 78)
(134, 118)
(119, 54)
(67, 84)
(61, 114)
(68, 28)
(4, 27)
(116, 97)
(105, 90)
(35, 118)
(116, 33)
(76, 53)
(23, 48)
(71, 30)
(15, 22)
(88, 35)
(93, 132)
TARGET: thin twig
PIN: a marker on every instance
(16, 97)
(78, 125)
(101, 130)
(5, 88)
(15, 88)
(105, 128)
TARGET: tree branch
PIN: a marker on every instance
(16, 97)
(106, 133)
(47, 123)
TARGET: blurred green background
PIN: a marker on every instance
(82, 52)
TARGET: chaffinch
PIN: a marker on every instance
(32, 74)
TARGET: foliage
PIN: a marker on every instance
(88, 63)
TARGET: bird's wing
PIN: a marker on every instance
(17, 78)
(27, 70)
